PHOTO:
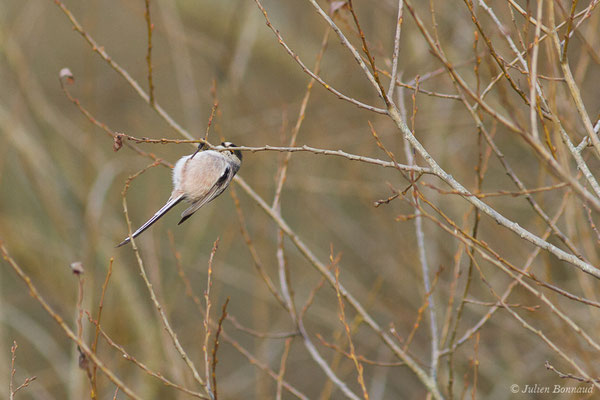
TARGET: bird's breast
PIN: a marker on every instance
(201, 173)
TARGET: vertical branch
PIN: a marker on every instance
(282, 367)
(212, 115)
(207, 370)
(13, 352)
(98, 318)
(77, 269)
(11, 390)
(420, 236)
(357, 364)
(396, 53)
(284, 276)
(149, 29)
(84, 364)
(477, 63)
(563, 55)
(475, 367)
(533, 75)
(216, 347)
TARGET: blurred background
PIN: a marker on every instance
(61, 202)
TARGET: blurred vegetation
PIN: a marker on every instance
(61, 184)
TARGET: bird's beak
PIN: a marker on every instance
(201, 147)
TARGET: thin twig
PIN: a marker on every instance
(420, 236)
(207, 363)
(533, 76)
(98, 318)
(11, 390)
(396, 53)
(216, 347)
(282, 367)
(357, 364)
(149, 29)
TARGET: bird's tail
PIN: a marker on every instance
(170, 204)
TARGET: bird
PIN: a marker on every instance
(198, 178)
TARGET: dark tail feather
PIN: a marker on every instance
(184, 218)
(170, 204)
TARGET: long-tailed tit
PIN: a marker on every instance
(198, 178)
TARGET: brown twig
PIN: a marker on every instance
(396, 52)
(213, 111)
(98, 318)
(568, 31)
(216, 348)
(282, 367)
(424, 306)
(149, 29)
(11, 390)
(207, 362)
(342, 315)
(475, 363)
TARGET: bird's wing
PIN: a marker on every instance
(219, 186)
(170, 204)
